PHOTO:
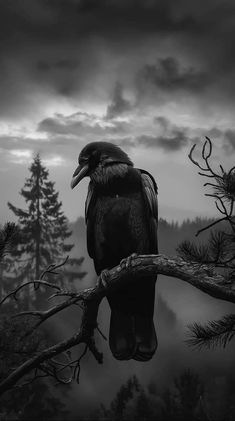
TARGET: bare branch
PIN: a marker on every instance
(210, 225)
(85, 335)
(50, 270)
(200, 276)
(205, 156)
(46, 314)
(14, 293)
(190, 155)
(206, 175)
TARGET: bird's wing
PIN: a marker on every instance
(90, 219)
(150, 191)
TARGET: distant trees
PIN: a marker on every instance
(182, 401)
(42, 230)
(35, 400)
(186, 398)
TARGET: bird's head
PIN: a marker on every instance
(100, 160)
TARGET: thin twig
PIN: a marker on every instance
(14, 293)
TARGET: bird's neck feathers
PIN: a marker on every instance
(106, 174)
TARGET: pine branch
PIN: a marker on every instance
(7, 238)
(223, 186)
(191, 252)
(215, 333)
(218, 251)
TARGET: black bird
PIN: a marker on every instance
(121, 216)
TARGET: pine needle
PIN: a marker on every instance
(214, 333)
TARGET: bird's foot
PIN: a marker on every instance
(104, 277)
(126, 263)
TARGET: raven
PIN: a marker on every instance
(121, 215)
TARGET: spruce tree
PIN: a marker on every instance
(43, 229)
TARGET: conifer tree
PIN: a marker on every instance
(219, 251)
(42, 228)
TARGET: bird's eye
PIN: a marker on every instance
(83, 160)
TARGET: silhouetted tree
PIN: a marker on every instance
(189, 391)
(124, 395)
(169, 410)
(143, 409)
(42, 229)
(117, 409)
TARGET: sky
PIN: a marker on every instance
(154, 77)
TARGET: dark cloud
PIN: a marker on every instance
(119, 105)
(230, 139)
(170, 138)
(75, 17)
(156, 132)
(175, 142)
(215, 132)
(62, 47)
(62, 65)
(162, 121)
(226, 136)
(55, 127)
(48, 21)
(169, 75)
(76, 124)
(81, 124)
(168, 143)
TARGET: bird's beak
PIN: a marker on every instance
(80, 172)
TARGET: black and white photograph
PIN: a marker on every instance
(117, 211)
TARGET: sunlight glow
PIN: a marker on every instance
(54, 161)
(21, 153)
(20, 156)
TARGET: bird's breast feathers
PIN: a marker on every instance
(120, 217)
(105, 174)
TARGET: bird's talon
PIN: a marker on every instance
(104, 277)
(126, 263)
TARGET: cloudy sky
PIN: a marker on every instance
(151, 76)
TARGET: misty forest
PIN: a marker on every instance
(117, 211)
(53, 340)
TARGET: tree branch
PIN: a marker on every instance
(46, 314)
(201, 276)
(49, 270)
(85, 335)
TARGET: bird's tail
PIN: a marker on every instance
(132, 332)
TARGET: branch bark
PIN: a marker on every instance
(203, 277)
